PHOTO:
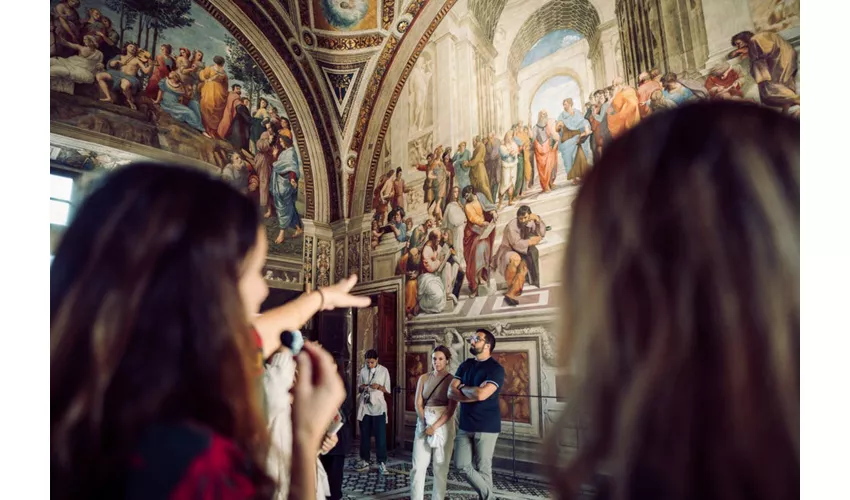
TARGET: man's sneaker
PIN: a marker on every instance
(361, 466)
(382, 468)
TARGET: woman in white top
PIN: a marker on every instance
(435, 427)
(278, 380)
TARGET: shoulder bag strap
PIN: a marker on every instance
(425, 402)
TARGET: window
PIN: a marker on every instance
(61, 188)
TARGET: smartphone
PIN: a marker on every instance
(336, 424)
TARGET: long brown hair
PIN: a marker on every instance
(147, 325)
(682, 310)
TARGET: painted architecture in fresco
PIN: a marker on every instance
(503, 114)
(170, 77)
(456, 169)
(485, 160)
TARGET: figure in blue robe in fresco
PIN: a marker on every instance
(286, 170)
(461, 172)
(170, 92)
(577, 130)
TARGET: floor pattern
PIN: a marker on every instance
(395, 484)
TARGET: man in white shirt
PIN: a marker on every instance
(373, 383)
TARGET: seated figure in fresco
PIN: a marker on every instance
(658, 102)
(171, 92)
(773, 65)
(397, 225)
(237, 173)
(418, 236)
(124, 73)
(80, 68)
(517, 257)
(450, 269)
(430, 288)
(675, 91)
(286, 171)
(724, 82)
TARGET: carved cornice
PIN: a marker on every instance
(358, 42)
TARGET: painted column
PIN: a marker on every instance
(723, 19)
(506, 92)
(609, 36)
(467, 85)
(590, 78)
(445, 127)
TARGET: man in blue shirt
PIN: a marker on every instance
(476, 387)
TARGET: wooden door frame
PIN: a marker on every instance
(391, 284)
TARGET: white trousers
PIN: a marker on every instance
(422, 453)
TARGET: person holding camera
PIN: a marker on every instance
(373, 383)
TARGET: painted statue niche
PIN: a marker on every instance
(176, 80)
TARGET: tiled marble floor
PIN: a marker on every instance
(395, 485)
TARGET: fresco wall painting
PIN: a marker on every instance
(171, 77)
(487, 149)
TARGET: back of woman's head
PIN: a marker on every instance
(147, 323)
(682, 311)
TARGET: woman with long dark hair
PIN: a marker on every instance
(154, 363)
(435, 427)
(683, 310)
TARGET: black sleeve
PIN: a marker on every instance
(461, 371)
(496, 375)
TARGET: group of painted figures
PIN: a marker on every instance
(464, 191)
(264, 162)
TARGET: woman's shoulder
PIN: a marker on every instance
(177, 461)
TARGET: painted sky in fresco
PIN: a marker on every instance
(549, 44)
(551, 96)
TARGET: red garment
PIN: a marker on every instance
(715, 84)
(213, 476)
(164, 66)
(644, 92)
(188, 462)
(233, 99)
(471, 241)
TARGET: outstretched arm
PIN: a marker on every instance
(294, 314)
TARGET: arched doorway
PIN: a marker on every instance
(551, 94)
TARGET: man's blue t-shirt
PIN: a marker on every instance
(481, 416)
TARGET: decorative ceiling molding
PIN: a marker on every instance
(579, 15)
(357, 42)
(487, 14)
(388, 8)
(343, 82)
